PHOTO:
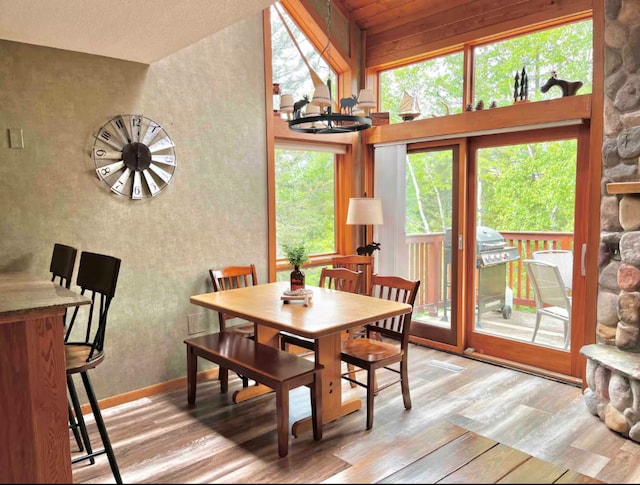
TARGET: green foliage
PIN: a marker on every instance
(566, 49)
(528, 187)
(437, 83)
(305, 199)
(296, 254)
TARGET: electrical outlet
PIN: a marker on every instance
(196, 323)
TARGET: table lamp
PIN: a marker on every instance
(365, 211)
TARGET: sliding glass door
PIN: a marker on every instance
(523, 200)
(419, 188)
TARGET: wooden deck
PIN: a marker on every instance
(519, 327)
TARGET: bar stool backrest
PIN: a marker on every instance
(63, 261)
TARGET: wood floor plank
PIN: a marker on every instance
(574, 477)
(534, 470)
(436, 466)
(488, 467)
(381, 459)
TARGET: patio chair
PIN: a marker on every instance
(563, 258)
(551, 295)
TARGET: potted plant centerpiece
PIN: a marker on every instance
(297, 256)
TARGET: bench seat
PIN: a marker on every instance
(274, 368)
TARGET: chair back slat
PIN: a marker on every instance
(357, 263)
(341, 279)
(398, 289)
(232, 277)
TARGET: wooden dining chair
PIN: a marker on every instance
(341, 279)
(356, 262)
(228, 278)
(84, 345)
(369, 354)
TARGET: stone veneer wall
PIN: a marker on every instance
(613, 363)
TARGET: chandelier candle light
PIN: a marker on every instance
(317, 116)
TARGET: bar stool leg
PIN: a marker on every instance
(101, 427)
(78, 412)
(73, 424)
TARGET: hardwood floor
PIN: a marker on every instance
(471, 422)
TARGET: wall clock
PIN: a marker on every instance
(134, 156)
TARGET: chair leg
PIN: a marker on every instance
(316, 405)
(371, 388)
(73, 424)
(535, 330)
(567, 333)
(245, 380)
(192, 376)
(78, 413)
(404, 382)
(101, 427)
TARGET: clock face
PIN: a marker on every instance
(134, 156)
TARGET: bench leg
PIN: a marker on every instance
(282, 417)
(223, 376)
(316, 405)
(192, 371)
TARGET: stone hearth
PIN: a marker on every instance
(613, 362)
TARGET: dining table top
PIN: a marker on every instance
(23, 292)
(329, 311)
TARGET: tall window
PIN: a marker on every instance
(305, 200)
(435, 83)
(567, 50)
(287, 63)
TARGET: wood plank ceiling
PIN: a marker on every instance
(405, 29)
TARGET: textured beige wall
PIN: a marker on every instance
(210, 99)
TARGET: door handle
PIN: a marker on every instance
(583, 268)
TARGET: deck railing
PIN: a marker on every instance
(426, 259)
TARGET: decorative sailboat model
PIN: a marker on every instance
(409, 107)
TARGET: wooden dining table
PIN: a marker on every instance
(34, 436)
(327, 315)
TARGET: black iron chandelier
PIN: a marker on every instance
(316, 115)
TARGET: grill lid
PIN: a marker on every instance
(488, 239)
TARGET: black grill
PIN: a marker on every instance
(492, 256)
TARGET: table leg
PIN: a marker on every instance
(328, 354)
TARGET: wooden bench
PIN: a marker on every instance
(277, 369)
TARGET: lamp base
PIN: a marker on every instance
(368, 249)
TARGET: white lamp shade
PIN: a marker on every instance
(366, 99)
(312, 110)
(321, 95)
(286, 103)
(364, 210)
